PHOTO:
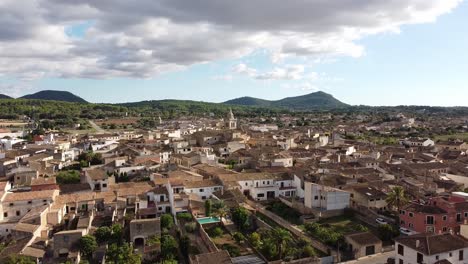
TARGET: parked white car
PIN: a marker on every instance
(381, 221)
(407, 232)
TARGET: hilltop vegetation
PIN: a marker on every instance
(55, 96)
(304, 102)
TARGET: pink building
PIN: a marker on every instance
(439, 215)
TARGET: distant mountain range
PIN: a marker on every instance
(55, 96)
(303, 102)
(50, 95)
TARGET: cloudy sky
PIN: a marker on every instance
(370, 52)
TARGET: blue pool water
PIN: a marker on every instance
(208, 220)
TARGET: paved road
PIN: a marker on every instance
(98, 129)
(375, 259)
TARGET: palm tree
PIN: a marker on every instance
(397, 198)
(221, 213)
(282, 237)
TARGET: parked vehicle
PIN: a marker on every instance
(381, 221)
(407, 232)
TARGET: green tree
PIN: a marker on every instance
(19, 259)
(87, 246)
(168, 247)
(221, 213)
(103, 234)
(397, 198)
(255, 239)
(208, 207)
(117, 234)
(282, 238)
(239, 237)
(240, 216)
(120, 254)
(184, 217)
(167, 221)
(68, 177)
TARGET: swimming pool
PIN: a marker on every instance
(208, 220)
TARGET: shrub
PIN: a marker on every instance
(167, 221)
(233, 250)
(184, 217)
(216, 232)
(68, 177)
(190, 227)
(239, 237)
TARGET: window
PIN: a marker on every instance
(401, 250)
(410, 225)
(458, 217)
(437, 257)
(430, 220)
(403, 212)
(45, 201)
(18, 213)
(444, 218)
(460, 255)
(201, 190)
(466, 214)
(29, 202)
(444, 229)
(260, 195)
(316, 197)
(411, 214)
(246, 184)
(104, 185)
(11, 204)
(401, 261)
(5, 214)
(450, 254)
(419, 258)
(203, 197)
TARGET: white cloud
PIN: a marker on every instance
(288, 72)
(304, 86)
(144, 39)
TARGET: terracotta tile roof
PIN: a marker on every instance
(365, 238)
(97, 174)
(27, 196)
(431, 244)
(200, 184)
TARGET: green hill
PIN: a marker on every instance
(4, 96)
(303, 102)
(55, 96)
(249, 101)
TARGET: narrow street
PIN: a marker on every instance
(374, 259)
(98, 129)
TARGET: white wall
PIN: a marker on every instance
(206, 191)
(410, 256)
(327, 198)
